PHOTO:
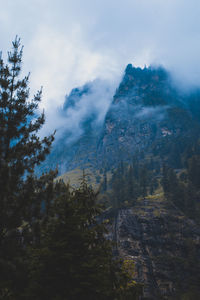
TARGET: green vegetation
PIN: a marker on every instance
(183, 189)
(53, 236)
(74, 259)
(129, 182)
(53, 241)
(20, 151)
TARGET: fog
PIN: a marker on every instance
(69, 121)
(68, 43)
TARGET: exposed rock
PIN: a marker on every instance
(146, 112)
(147, 116)
(161, 240)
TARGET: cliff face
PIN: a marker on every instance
(146, 112)
(165, 246)
(149, 118)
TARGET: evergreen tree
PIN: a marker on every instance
(52, 240)
(194, 170)
(143, 181)
(20, 151)
(130, 184)
(74, 260)
(105, 181)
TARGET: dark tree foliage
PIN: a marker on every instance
(105, 181)
(20, 151)
(184, 189)
(53, 243)
(132, 181)
(74, 260)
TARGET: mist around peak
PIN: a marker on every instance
(83, 109)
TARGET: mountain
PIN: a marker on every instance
(145, 151)
(165, 247)
(147, 114)
(83, 115)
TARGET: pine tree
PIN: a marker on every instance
(52, 240)
(20, 151)
(105, 181)
(143, 181)
(75, 259)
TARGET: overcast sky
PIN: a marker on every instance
(68, 42)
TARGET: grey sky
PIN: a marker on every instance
(68, 42)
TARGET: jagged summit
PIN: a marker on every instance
(146, 114)
(147, 72)
(150, 86)
(146, 111)
(75, 95)
(148, 121)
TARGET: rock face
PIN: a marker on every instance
(147, 117)
(165, 246)
(146, 112)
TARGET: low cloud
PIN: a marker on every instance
(68, 43)
(157, 112)
(69, 122)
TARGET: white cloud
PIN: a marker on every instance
(70, 42)
(61, 62)
(96, 101)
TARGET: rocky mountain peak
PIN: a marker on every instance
(75, 95)
(148, 86)
(147, 121)
(145, 114)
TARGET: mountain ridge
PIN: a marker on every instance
(145, 143)
(145, 107)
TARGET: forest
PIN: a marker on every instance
(54, 238)
(52, 244)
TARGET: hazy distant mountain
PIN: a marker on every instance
(147, 114)
(148, 119)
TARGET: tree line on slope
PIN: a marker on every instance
(183, 188)
(131, 181)
(141, 177)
